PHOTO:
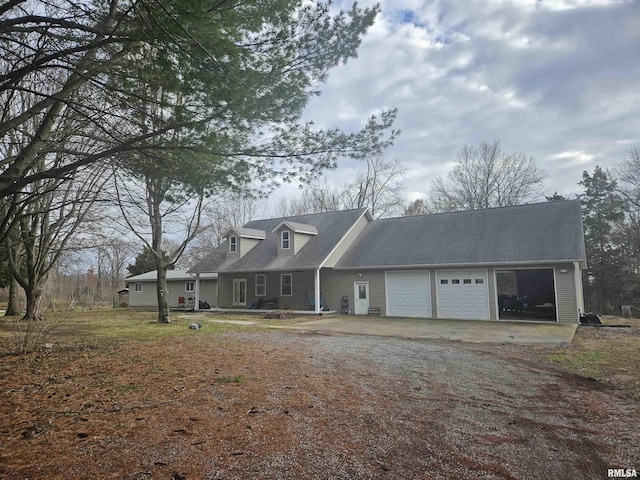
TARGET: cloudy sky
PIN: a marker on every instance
(555, 79)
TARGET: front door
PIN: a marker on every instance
(361, 295)
(239, 292)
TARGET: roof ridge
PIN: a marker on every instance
(503, 207)
(307, 214)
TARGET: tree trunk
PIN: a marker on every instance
(12, 305)
(34, 299)
(163, 304)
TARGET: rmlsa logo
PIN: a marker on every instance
(622, 473)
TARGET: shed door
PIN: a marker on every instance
(408, 294)
(462, 294)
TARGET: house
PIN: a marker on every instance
(181, 289)
(511, 262)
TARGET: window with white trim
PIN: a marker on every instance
(137, 287)
(261, 285)
(286, 287)
(233, 244)
(285, 239)
(189, 286)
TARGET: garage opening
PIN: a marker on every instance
(526, 294)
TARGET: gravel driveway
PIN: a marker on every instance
(398, 408)
(279, 404)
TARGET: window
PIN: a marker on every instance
(233, 244)
(467, 281)
(479, 280)
(137, 287)
(261, 285)
(286, 289)
(444, 281)
(189, 286)
(455, 281)
(284, 244)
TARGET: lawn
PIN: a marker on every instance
(115, 395)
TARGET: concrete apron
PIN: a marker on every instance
(478, 331)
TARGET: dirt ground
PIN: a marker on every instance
(232, 402)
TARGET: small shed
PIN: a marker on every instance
(123, 298)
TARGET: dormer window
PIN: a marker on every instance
(233, 244)
(285, 240)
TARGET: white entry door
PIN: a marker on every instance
(361, 296)
(239, 292)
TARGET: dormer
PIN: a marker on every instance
(241, 240)
(292, 236)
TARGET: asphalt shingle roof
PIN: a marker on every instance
(331, 228)
(152, 276)
(543, 232)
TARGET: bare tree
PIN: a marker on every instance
(152, 207)
(417, 207)
(315, 197)
(46, 228)
(485, 177)
(378, 186)
(628, 173)
(220, 214)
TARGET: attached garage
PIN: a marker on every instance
(462, 294)
(408, 294)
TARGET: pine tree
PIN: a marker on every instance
(602, 212)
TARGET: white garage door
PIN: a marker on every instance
(462, 294)
(408, 294)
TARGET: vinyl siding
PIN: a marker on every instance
(302, 284)
(346, 242)
(493, 295)
(148, 296)
(247, 244)
(335, 284)
(209, 292)
(566, 301)
(299, 241)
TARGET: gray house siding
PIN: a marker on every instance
(302, 289)
(567, 305)
(493, 296)
(335, 284)
(147, 297)
(209, 292)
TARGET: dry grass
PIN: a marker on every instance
(120, 396)
(606, 354)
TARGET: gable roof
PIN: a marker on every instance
(331, 227)
(297, 227)
(535, 233)
(246, 232)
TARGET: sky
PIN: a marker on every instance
(558, 80)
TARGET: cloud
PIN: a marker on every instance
(555, 79)
(571, 158)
